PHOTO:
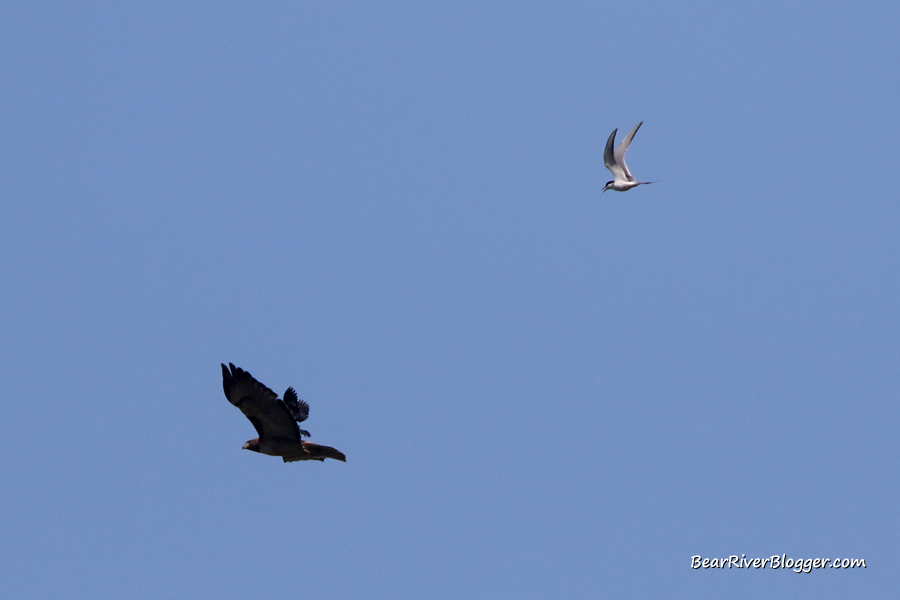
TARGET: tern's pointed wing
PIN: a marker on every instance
(619, 155)
(609, 158)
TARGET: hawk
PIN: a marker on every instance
(276, 421)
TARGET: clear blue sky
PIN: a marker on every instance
(543, 391)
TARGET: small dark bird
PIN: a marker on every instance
(276, 421)
(299, 409)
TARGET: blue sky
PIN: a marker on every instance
(543, 391)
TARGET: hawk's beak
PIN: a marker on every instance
(246, 446)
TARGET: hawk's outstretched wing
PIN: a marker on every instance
(270, 416)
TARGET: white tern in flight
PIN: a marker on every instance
(615, 162)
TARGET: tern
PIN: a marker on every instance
(615, 162)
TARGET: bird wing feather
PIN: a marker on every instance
(270, 416)
(609, 158)
(619, 154)
(299, 408)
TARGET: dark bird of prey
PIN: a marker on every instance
(275, 420)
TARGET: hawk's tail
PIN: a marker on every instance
(320, 452)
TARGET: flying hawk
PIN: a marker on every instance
(275, 420)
